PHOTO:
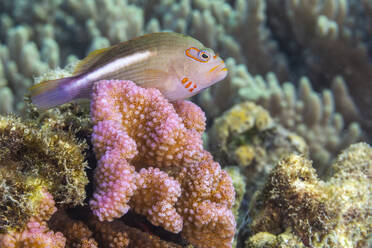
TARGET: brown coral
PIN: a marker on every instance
(77, 234)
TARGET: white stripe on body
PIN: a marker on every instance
(115, 65)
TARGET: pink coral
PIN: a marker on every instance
(192, 116)
(205, 204)
(149, 120)
(135, 126)
(115, 184)
(138, 129)
(156, 198)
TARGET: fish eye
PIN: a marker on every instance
(198, 55)
(203, 55)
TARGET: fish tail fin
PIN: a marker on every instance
(51, 93)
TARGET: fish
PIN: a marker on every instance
(179, 66)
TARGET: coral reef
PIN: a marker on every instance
(205, 205)
(305, 67)
(320, 39)
(137, 128)
(304, 112)
(32, 158)
(295, 205)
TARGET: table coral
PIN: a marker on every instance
(332, 213)
(36, 233)
(178, 185)
(32, 158)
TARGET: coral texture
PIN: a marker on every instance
(178, 186)
(32, 158)
(117, 235)
(205, 205)
(332, 213)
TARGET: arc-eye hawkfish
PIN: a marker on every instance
(176, 64)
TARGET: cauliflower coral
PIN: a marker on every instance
(151, 159)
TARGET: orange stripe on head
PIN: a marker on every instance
(189, 54)
(188, 85)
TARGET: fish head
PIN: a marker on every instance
(204, 66)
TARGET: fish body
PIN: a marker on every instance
(176, 64)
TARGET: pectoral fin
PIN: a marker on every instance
(154, 78)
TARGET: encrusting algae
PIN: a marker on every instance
(33, 159)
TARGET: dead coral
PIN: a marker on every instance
(31, 158)
(71, 118)
(334, 213)
(247, 136)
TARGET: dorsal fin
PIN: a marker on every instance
(89, 60)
